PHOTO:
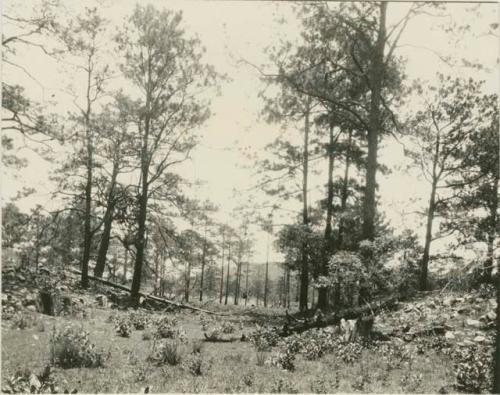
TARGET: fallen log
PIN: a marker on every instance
(212, 339)
(322, 321)
(147, 296)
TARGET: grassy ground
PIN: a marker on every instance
(232, 368)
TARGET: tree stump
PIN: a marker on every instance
(102, 300)
(47, 303)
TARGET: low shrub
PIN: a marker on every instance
(473, 369)
(283, 359)
(264, 337)
(196, 347)
(227, 327)
(166, 328)
(411, 382)
(123, 328)
(139, 320)
(25, 382)
(70, 347)
(196, 365)
(281, 385)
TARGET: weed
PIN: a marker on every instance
(280, 386)
(473, 369)
(123, 328)
(410, 382)
(196, 347)
(247, 379)
(28, 382)
(261, 357)
(195, 364)
(71, 347)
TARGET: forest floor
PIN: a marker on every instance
(424, 365)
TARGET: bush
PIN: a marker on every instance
(71, 348)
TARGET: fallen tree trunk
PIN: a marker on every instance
(147, 296)
(321, 321)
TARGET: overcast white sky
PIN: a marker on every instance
(232, 29)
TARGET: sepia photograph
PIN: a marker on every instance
(250, 197)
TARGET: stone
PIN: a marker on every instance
(32, 307)
(449, 335)
(474, 323)
(466, 343)
(491, 315)
(479, 339)
(20, 277)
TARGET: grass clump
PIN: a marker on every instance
(167, 352)
(70, 347)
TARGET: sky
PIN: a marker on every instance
(230, 31)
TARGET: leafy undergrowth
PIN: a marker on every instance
(182, 364)
(120, 350)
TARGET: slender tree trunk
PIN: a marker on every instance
(376, 76)
(246, 283)
(187, 281)
(323, 292)
(125, 265)
(227, 274)
(288, 288)
(222, 271)
(304, 280)
(343, 199)
(87, 232)
(141, 219)
(203, 257)
(424, 266)
(108, 221)
(492, 232)
(428, 240)
(266, 280)
(496, 360)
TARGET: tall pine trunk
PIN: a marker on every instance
(87, 233)
(108, 221)
(492, 231)
(304, 273)
(203, 257)
(222, 271)
(323, 292)
(227, 274)
(376, 76)
(344, 193)
(266, 280)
